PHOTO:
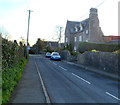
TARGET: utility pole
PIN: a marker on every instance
(28, 31)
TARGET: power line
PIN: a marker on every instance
(100, 4)
(83, 15)
(95, 7)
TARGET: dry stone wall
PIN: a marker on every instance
(106, 61)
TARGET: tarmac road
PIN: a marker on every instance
(48, 81)
(66, 83)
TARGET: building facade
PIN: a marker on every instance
(87, 30)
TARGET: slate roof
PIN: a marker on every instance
(72, 25)
(52, 43)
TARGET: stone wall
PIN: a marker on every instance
(65, 55)
(106, 61)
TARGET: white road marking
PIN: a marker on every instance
(43, 85)
(54, 63)
(81, 78)
(63, 68)
(112, 96)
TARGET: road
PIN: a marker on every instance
(67, 83)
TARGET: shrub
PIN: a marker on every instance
(95, 51)
(11, 53)
(74, 53)
(104, 47)
(13, 62)
(69, 47)
(10, 78)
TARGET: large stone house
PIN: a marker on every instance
(87, 30)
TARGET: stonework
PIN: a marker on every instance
(87, 30)
(103, 61)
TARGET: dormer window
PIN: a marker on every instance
(76, 29)
(81, 27)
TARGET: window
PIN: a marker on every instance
(81, 27)
(75, 39)
(76, 29)
(66, 40)
(75, 48)
(86, 32)
(80, 38)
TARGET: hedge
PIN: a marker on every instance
(10, 78)
(103, 47)
(11, 53)
(13, 62)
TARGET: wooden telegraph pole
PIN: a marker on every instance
(27, 49)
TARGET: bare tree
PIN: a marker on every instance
(58, 34)
(4, 32)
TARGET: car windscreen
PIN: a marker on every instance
(56, 54)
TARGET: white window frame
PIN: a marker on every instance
(86, 32)
(75, 48)
(66, 39)
(81, 27)
(76, 29)
(75, 39)
(80, 38)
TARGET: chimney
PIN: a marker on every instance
(93, 12)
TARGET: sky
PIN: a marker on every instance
(47, 14)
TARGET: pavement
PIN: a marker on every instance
(29, 89)
(98, 71)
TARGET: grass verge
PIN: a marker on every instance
(10, 78)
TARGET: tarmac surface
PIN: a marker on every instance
(30, 89)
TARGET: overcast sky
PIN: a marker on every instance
(47, 14)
